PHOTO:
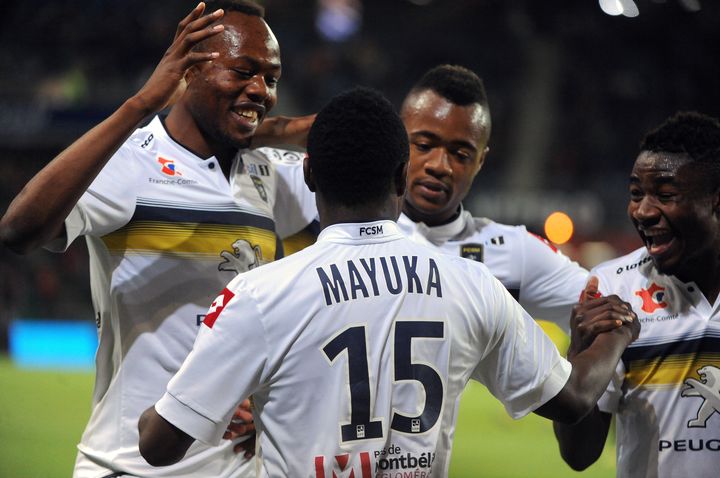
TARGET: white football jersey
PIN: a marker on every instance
(545, 282)
(165, 230)
(356, 350)
(666, 392)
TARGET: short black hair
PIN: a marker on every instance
(455, 83)
(458, 85)
(688, 132)
(355, 146)
(243, 6)
(246, 7)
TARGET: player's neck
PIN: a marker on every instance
(431, 220)
(705, 274)
(333, 213)
(182, 128)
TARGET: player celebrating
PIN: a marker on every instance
(666, 390)
(356, 349)
(448, 121)
(170, 215)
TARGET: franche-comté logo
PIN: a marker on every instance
(653, 298)
(168, 167)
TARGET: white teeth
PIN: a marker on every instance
(654, 233)
(249, 114)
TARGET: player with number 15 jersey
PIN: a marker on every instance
(369, 344)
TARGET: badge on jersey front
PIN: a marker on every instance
(217, 307)
(707, 389)
(472, 251)
(167, 167)
(653, 298)
(260, 187)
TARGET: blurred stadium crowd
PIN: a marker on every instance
(571, 90)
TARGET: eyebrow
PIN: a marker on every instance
(433, 136)
(257, 63)
(657, 180)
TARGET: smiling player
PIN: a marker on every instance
(666, 392)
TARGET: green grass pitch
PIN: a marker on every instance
(42, 414)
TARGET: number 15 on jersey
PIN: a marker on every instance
(354, 340)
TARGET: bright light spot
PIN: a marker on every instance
(630, 10)
(611, 7)
(619, 7)
(558, 227)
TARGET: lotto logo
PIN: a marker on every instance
(217, 306)
(341, 467)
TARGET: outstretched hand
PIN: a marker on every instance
(167, 82)
(595, 314)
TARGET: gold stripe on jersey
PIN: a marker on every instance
(670, 370)
(186, 238)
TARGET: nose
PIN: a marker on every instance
(257, 89)
(438, 164)
(645, 210)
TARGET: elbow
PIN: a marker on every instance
(574, 412)
(575, 464)
(10, 239)
(155, 455)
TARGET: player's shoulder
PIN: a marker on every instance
(627, 267)
(460, 266)
(510, 236)
(147, 137)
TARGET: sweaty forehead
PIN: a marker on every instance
(660, 162)
(246, 35)
(424, 108)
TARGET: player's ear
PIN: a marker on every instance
(400, 178)
(308, 174)
(481, 159)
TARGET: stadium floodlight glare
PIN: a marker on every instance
(626, 8)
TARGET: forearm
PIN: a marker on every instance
(36, 215)
(592, 370)
(582, 444)
(594, 367)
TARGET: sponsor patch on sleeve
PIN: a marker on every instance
(217, 307)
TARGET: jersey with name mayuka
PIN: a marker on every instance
(165, 230)
(666, 392)
(545, 282)
(356, 350)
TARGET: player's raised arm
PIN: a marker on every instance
(608, 325)
(36, 216)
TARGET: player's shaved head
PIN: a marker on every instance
(458, 85)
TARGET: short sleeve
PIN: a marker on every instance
(522, 367)
(109, 202)
(551, 283)
(224, 367)
(294, 206)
